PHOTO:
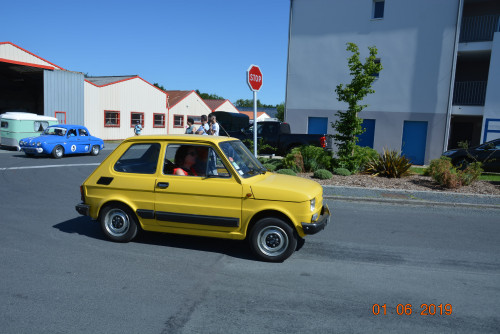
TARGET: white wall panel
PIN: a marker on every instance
(11, 52)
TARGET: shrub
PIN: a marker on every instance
(389, 164)
(286, 172)
(307, 159)
(341, 171)
(294, 161)
(444, 173)
(358, 161)
(322, 174)
(270, 167)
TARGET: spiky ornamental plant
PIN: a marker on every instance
(348, 125)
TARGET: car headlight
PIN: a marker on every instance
(313, 204)
(38, 144)
(448, 153)
(21, 143)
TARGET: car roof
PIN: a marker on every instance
(67, 126)
(182, 137)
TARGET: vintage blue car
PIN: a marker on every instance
(62, 139)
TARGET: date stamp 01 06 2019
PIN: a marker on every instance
(407, 309)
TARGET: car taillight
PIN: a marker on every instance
(82, 194)
(322, 141)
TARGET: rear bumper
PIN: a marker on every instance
(320, 224)
(83, 209)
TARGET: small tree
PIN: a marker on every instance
(348, 125)
(280, 112)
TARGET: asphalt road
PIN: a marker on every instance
(59, 275)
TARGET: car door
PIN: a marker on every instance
(71, 142)
(83, 141)
(489, 155)
(205, 202)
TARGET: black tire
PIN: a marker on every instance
(58, 152)
(95, 150)
(118, 223)
(273, 240)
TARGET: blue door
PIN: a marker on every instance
(367, 137)
(414, 141)
(317, 125)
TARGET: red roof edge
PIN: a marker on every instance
(20, 48)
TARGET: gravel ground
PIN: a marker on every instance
(413, 182)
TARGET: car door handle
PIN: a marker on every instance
(163, 185)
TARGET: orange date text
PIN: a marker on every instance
(408, 309)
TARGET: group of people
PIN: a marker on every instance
(209, 126)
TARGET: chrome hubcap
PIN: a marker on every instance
(272, 241)
(116, 222)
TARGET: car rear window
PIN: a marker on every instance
(139, 159)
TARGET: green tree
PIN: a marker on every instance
(207, 96)
(157, 85)
(248, 103)
(348, 125)
(280, 108)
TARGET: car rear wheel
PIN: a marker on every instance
(118, 223)
(58, 152)
(95, 150)
(273, 240)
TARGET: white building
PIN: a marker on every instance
(113, 105)
(221, 105)
(184, 104)
(441, 70)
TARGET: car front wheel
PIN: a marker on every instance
(273, 240)
(58, 152)
(118, 223)
(95, 150)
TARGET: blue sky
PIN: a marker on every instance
(180, 44)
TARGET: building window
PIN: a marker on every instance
(136, 117)
(197, 119)
(111, 118)
(378, 9)
(159, 120)
(178, 121)
(376, 75)
(61, 117)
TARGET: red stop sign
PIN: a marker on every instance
(254, 77)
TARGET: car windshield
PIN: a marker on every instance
(55, 131)
(242, 159)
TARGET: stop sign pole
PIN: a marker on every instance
(254, 81)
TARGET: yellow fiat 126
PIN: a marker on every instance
(204, 186)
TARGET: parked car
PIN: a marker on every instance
(274, 133)
(62, 139)
(487, 153)
(16, 125)
(223, 192)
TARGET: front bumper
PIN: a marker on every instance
(320, 224)
(83, 209)
(32, 150)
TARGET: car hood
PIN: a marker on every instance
(279, 187)
(44, 139)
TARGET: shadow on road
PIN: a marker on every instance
(234, 248)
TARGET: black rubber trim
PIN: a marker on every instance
(146, 214)
(104, 180)
(320, 224)
(83, 209)
(198, 219)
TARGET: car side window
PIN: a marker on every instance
(193, 160)
(72, 133)
(83, 132)
(139, 159)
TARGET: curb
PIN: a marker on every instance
(413, 197)
(411, 202)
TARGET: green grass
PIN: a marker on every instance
(483, 177)
(490, 177)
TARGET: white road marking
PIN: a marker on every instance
(49, 166)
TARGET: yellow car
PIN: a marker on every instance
(204, 186)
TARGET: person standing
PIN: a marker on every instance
(191, 128)
(214, 126)
(137, 128)
(204, 128)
